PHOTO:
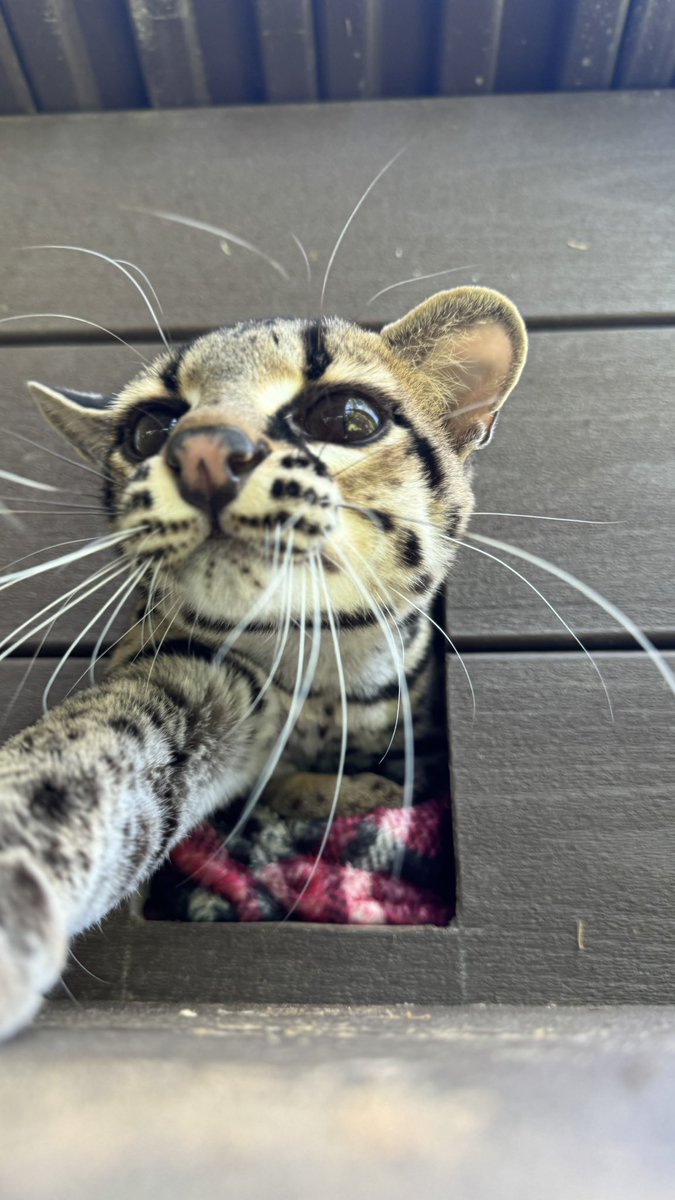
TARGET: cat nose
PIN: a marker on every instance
(212, 462)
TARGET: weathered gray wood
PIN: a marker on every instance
(497, 187)
(397, 1102)
(562, 817)
(587, 434)
(22, 681)
(293, 963)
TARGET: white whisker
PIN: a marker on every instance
(539, 517)
(53, 603)
(417, 279)
(95, 654)
(373, 183)
(117, 263)
(31, 483)
(215, 231)
(76, 640)
(65, 608)
(308, 266)
(74, 462)
(80, 321)
(93, 548)
(611, 609)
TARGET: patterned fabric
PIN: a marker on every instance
(387, 867)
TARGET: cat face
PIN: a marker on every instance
(289, 440)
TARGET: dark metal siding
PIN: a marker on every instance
(70, 55)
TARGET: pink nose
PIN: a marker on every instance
(212, 462)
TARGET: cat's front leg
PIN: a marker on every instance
(94, 796)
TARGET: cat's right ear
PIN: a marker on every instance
(83, 418)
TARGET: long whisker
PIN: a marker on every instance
(66, 607)
(417, 279)
(284, 630)
(31, 483)
(305, 257)
(408, 730)
(548, 604)
(13, 700)
(53, 503)
(539, 517)
(74, 462)
(54, 603)
(93, 548)
(43, 550)
(133, 583)
(301, 690)
(215, 231)
(174, 613)
(373, 183)
(80, 321)
(75, 642)
(344, 708)
(96, 658)
(611, 609)
(117, 263)
(135, 267)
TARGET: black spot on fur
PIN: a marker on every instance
(139, 500)
(385, 520)
(49, 801)
(170, 373)
(290, 461)
(141, 473)
(422, 584)
(127, 726)
(317, 357)
(410, 551)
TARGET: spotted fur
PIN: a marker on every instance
(97, 793)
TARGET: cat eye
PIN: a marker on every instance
(148, 429)
(342, 416)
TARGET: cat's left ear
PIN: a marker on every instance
(470, 345)
(83, 418)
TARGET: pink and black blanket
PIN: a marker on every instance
(387, 867)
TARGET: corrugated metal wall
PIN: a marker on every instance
(65, 55)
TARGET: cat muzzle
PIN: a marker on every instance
(212, 463)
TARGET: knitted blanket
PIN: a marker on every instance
(386, 867)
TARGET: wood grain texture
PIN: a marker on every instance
(497, 187)
(394, 1102)
(561, 816)
(587, 434)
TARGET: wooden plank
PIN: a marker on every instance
(390, 1102)
(572, 442)
(564, 820)
(294, 963)
(22, 681)
(587, 434)
(497, 187)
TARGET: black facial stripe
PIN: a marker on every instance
(410, 550)
(422, 447)
(453, 522)
(169, 375)
(317, 357)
